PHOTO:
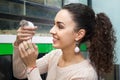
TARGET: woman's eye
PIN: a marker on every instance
(60, 27)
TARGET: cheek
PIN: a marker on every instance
(67, 38)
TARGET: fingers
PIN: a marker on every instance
(28, 53)
(24, 37)
(25, 33)
(35, 48)
(30, 45)
(27, 48)
(29, 28)
(22, 50)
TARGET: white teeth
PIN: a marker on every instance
(55, 39)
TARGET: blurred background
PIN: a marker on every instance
(42, 13)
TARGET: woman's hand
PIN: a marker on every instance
(28, 53)
(24, 33)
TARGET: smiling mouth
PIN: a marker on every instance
(55, 39)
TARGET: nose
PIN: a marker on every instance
(53, 30)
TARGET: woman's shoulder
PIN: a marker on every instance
(86, 70)
(86, 66)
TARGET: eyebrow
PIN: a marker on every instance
(58, 22)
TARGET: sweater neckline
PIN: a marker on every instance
(72, 65)
(80, 64)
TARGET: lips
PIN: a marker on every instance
(55, 39)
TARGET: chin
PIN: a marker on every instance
(56, 46)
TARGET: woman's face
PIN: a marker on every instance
(63, 30)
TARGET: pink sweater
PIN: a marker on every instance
(80, 71)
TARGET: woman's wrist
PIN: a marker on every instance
(30, 69)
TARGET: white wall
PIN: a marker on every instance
(75, 1)
(112, 9)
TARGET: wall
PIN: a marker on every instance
(75, 1)
(112, 9)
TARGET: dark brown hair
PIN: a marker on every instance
(99, 32)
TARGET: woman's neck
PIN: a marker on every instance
(69, 57)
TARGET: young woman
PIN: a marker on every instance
(74, 24)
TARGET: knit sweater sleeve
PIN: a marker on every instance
(20, 70)
(42, 66)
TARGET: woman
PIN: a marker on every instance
(74, 24)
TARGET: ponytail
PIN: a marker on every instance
(102, 44)
(99, 33)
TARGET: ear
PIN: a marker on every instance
(80, 34)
